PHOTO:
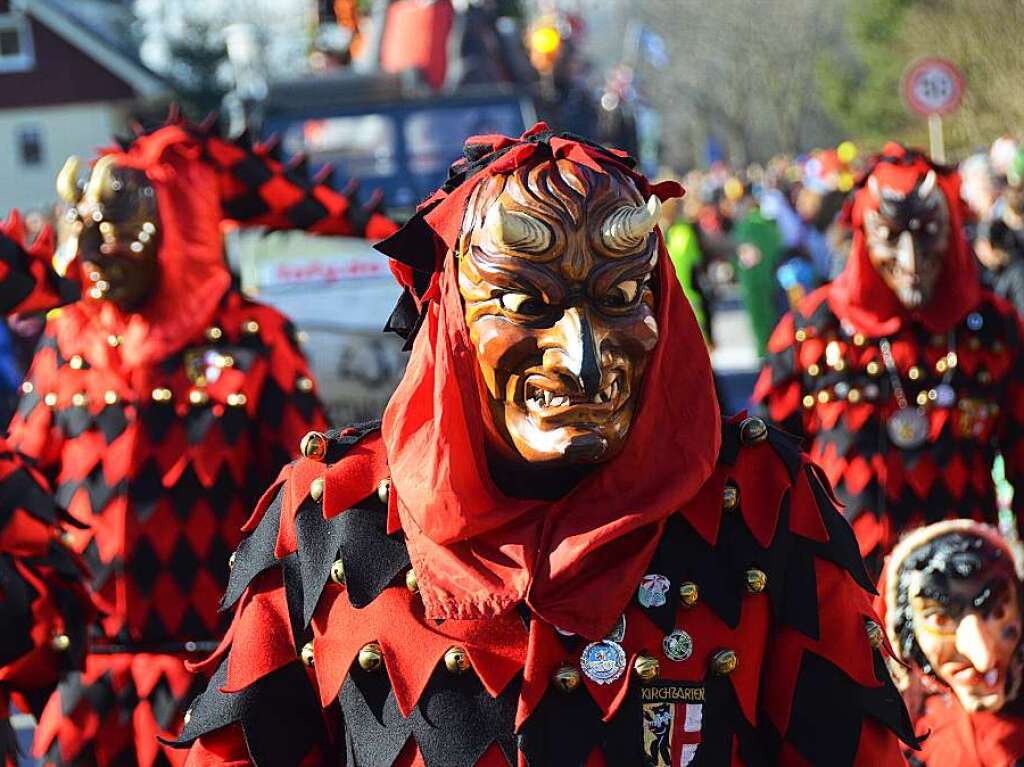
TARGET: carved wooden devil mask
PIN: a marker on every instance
(116, 230)
(555, 265)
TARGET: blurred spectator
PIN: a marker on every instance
(758, 252)
(1002, 258)
(683, 243)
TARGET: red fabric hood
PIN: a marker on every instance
(575, 561)
(859, 295)
(193, 276)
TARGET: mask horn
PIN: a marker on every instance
(627, 228)
(927, 186)
(516, 231)
(99, 180)
(67, 181)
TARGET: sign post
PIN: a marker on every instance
(931, 88)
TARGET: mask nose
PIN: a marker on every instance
(573, 351)
(906, 253)
(975, 642)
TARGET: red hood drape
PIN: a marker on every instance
(193, 276)
(860, 297)
(575, 561)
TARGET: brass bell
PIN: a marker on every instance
(411, 582)
(646, 667)
(110, 397)
(800, 335)
(27, 387)
(859, 339)
(304, 384)
(78, 399)
(50, 399)
(250, 327)
(162, 394)
(813, 369)
(566, 678)
(370, 657)
(113, 341)
(76, 362)
(874, 632)
(314, 446)
(198, 397)
(753, 430)
(914, 373)
(688, 594)
(307, 653)
(724, 662)
(214, 333)
(730, 497)
(316, 489)
(874, 368)
(384, 490)
(338, 572)
(808, 401)
(60, 642)
(756, 580)
(456, 660)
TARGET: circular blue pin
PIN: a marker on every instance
(603, 662)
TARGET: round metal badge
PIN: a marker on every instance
(945, 396)
(618, 633)
(653, 590)
(678, 645)
(908, 428)
(603, 662)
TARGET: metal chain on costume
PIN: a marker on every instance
(894, 377)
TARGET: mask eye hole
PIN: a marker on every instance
(622, 295)
(521, 303)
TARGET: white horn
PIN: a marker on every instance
(515, 230)
(927, 186)
(627, 228)
(873, 188)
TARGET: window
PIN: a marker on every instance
(358, 145)
(16, 54)
(30, 147)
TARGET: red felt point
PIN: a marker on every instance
(763, 482)
(266, 627)
(355, 476)
(704, 512)
(804, 516)
(544, 654)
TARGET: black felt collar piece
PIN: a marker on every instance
(372, 559)
(279, 714)
(455, 720)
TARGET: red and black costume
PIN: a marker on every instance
(159, 428)
(950, 734)
(393, 607)
(959, 358)
(43, 604)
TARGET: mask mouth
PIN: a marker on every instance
(548, 398)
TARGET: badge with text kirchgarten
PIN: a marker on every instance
(672, 721)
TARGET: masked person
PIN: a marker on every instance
(43, 605)
(951, 598)
(159, 407)
(903, 372)
(545, 555)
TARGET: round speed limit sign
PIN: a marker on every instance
(933, 87)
